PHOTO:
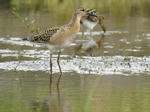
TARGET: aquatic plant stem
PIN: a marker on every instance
(17, 65)
(91, 92)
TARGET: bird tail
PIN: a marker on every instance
(27, 39)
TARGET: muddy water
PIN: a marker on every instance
(106, 73)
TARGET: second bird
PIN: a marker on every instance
(90, 21)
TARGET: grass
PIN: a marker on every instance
(110, 7)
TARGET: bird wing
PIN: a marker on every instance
(45, 36)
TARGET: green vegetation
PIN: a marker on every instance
(29, 24)
(20, 56)
(90, 95)
(116, 8)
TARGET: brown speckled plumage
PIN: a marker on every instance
(60, 36)
(44, 36)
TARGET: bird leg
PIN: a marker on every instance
(90, 34)
(50, 68)
(82, 34)
(59, 68)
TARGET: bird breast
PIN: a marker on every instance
(89, 24)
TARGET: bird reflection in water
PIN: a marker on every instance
(92, 47)
(53, 102)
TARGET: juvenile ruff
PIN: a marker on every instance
(58, 38)
(90, 21)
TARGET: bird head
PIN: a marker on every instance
(81, 12)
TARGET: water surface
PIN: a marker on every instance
(106, 73)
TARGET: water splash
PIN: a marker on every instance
(84, 65)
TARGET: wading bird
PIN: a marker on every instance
(90, 21)
(58, 38)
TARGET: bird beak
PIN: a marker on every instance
(101, 18)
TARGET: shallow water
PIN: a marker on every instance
(30, 91)
(106, 73)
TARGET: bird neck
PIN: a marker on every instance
(75, 23)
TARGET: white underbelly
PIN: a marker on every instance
(62, 44)
(69, 41)
(88, 24)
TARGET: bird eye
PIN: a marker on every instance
(82, 9)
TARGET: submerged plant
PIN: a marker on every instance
(115, 70)
(20, 55)
(80, 65)
(29, 24)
